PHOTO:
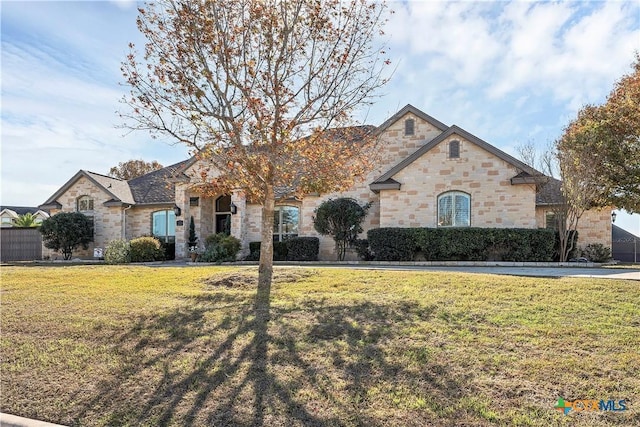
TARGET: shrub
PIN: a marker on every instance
(341, 219)
(597, 252)
(146, 249)
(362, 249)
(220, 247)
(302, 248)
(279, 251)
(117, 252)
(461, 244)
(65, 231)
(392, 244)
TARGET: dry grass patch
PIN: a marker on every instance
(101, 346)
(248, 278)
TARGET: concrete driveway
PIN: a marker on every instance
(585, 272)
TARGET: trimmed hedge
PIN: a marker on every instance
(461, 244)
(293, 249)
(303, 249)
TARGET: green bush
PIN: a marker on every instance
(220, 248)
(279, 251)
(66, 231)
(117, 252)
(597, 252)
(302, 248)
(341, 219)
(146, 249)
(461, 244)
(362, 249)
(392, 244)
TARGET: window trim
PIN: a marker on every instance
(453, 193)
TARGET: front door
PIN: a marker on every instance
(223, 214)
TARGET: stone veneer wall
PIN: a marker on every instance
(485, 177)
(393, 147)
(593, 227)
(107, 220)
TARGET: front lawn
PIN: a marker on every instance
(108, 345)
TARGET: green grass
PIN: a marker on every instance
(109, 345)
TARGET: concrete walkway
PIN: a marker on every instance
(584, 272)
(7, 420)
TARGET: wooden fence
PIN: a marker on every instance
(20, 244)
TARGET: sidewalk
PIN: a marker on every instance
(7, 420)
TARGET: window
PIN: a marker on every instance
(7, 221)
(194, 201)
(551, 220)
(85, 204)
(454, 149)
(285, 222)
(223, 214)
(409, 126)
(454, 209)
(164, 226)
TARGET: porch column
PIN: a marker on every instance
(182, 222)
(238, 221)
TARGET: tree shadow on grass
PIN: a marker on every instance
(212, 362)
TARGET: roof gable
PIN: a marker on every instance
(115, 188)
(454, 130)
(413, 110)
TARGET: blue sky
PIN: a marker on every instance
(508, 72)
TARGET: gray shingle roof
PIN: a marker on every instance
(118, 188)
(549, 193)
(155, 187)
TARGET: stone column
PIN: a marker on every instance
(238, 221)
(182, 222)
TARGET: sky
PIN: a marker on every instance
(510, 73)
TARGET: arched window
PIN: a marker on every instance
(84, 204)
(409, 127)
(454, 209)
(454, 149)
(223, 214)
(285, 222)
(164, 226)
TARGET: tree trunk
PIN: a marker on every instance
(265, 268)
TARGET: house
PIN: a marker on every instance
(625, 246)
(427, 174)
(10, 214)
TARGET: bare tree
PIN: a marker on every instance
(252, 86)
(567, 198)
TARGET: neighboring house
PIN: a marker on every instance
(9, 214)
(427, 174)
(625, 246)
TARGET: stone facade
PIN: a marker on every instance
(593, 227)
(107, 220)
(413, 168)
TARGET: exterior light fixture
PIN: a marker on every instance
(613, 216)
(234, 209)
(177, 210)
